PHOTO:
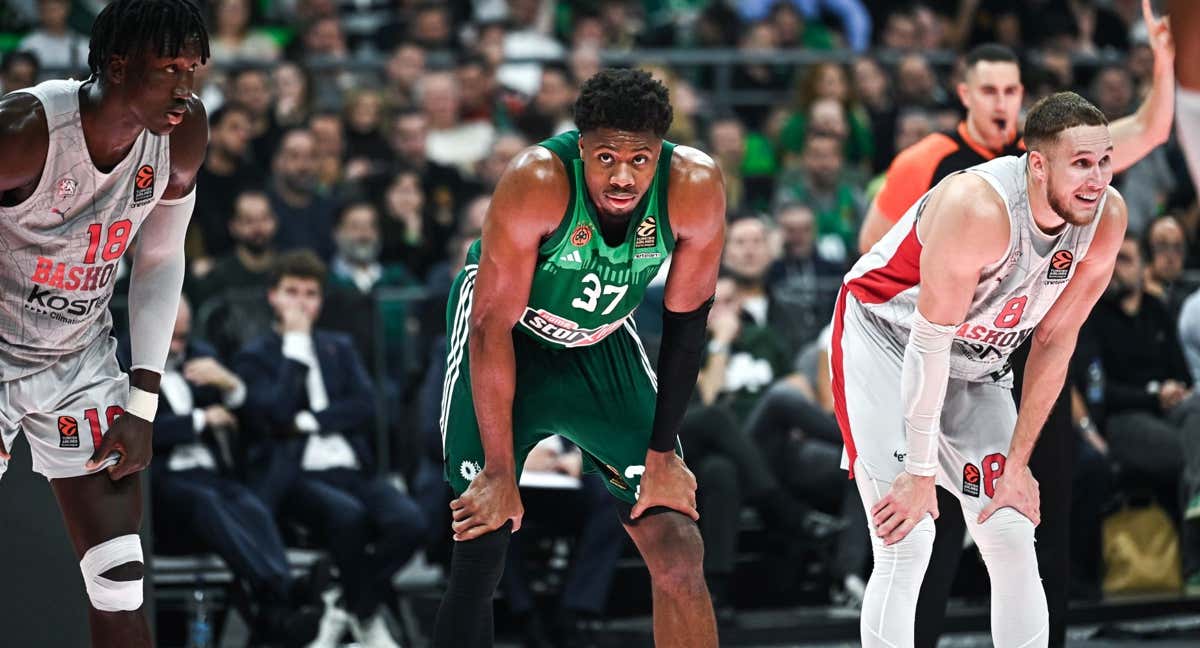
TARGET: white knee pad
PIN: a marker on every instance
(109, 595)
(1020, 618)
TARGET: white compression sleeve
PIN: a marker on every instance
(923, 390)
(1187, 125)
(156, 281)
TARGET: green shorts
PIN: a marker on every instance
(600, 397)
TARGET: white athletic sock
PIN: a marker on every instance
(890, 604)
(1187, 126)
(1020, 618)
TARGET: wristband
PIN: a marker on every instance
(142, 404)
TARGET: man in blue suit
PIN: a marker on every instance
(310, 402)
(197, 504)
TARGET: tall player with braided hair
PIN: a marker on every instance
(541, 343)
(84, 167)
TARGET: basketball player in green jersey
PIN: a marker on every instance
(541, 342)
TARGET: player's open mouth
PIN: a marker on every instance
(175, 117)
(1088, 198)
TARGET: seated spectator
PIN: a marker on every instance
(53, 42)
(1151, 416)
(802, 284)
(198, 507)
(226, 173)
(233, 40)
(1166, 251)
(584, 513)
(451, 141)
(239, 279)
(819, 183)
(306, 217)
(358, 277)
(310, 404)
(19, 70)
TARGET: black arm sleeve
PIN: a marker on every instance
(679, 359)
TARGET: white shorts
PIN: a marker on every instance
(977, 418)
(65, 409)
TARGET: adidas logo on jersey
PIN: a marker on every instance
(572, 258)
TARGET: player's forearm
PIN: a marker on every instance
(156, 282)
(1134, 136)
(493, 385)
(923, 378)
(1045, 374)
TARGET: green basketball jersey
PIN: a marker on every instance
(583, 289)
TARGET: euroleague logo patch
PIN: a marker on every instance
(143, 185)
(68, 432)
(647, 234)
(970, 484)
(581, 236)
(1060, 265)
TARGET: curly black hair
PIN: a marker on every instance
(625, 100)
(131, 26)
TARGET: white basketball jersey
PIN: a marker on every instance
(61, 245)
(1013, 294)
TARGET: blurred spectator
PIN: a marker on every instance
(490, 168)
(356, 270)
(916, 83)
(803, 286)
(199, 507)
(854, 19)
(227, 172)
(443, 186)
(451, 141)
(252, 89)
(405, 236)
(53, 42)
(431, 26)
(761, 75)
(820, 184)
(828, 81)
(549, 112)
(329, 137)
(686, 105)
(747, 256)
(293, 98)
(872, 88)
(19, 70)
(528, 37)
(309, 404)
(1166, 251)
(1152, 417)
(900, 31)
(232, 39)
(401, 73)
(238, 278)
(1112, 90)
(727, 146)
(363, 120)
(305, 217)
(587, 516)
(482, 99)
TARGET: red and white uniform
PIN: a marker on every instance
(61, 245)
(871, 329)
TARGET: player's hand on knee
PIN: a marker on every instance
(1017, 489)
(907, 501)
(667, 482)
(489, 501)
(131, 438)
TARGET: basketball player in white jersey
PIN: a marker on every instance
(1012, 248)
(84, 167)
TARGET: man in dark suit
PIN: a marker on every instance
(197, 504)
(309, 397)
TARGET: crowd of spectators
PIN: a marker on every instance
(354, 145)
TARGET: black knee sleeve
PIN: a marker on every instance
(464, 619)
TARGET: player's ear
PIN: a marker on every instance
(116, 69)
(961, 89)
(1038, 165)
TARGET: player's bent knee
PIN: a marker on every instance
(676, 560)
(109, 595)
(1007, 532)
(911, 554)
